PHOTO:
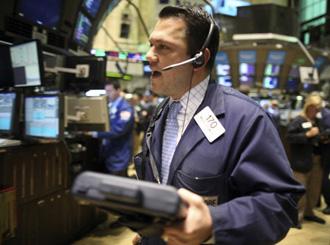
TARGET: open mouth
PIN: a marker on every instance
(156, 74)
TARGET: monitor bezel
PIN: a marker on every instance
(40, 63)
(7, 69)
(60, 135)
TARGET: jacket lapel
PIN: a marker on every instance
(193, 134)
(157, 137)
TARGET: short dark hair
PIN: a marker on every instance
(198, 23)
(115, 83)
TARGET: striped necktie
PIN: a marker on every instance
(169, 139)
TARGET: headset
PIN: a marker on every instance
(198, 59)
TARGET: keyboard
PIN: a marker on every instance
(9, 142)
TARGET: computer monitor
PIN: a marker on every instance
(272, 70)
(45, 12)
(97, 73)
(246, 69)
(146, 69)
(8, 113)
(225, 80)
(270, 82)
(84, 113)
(223, 69)
(27, 63)
(6, 72)
(246, 80)
(44, 116)
(82, 29)
(308, 75)
(92, 6)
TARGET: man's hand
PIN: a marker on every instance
(197, 225)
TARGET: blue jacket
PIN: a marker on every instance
(117, 145)
(246, 169)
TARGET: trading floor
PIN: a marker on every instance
(311, 234)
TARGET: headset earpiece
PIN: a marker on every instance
(199, 60)
(199, 57)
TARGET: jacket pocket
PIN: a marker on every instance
(204, 186)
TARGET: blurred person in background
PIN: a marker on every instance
(303, 134)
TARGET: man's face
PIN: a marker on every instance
(168, 45)
(111, 92)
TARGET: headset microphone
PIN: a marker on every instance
(191, 60)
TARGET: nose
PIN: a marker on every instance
(151, 56)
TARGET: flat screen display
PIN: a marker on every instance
(43, 116)
(45, 12)
(227, 7)
(246, 80)
(276, 57)
(7, 111)
(292, 85)
(82, 29)
(92, 6)
(294, 71)
(308, 75)
(146, 68)
(6, 72)
(246, 69)
(272, 70)
(225, 81)
(27, 65)
(223, 69)
(270, 82)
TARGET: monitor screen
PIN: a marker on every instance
(82, 29)
(270, 82)
(43, 116)
(146, 68)
(272, 70)
(246, 80)
(45, 12)
(223, 69)
(276, 57)
(308, 75)
(292, 85)
(6, 72)
(7, 112)
(92, 6)
(246, 69)
(225, 81)
(294, 71)
(96, 77)
(27, 64)
(227, 7)
(86, 113)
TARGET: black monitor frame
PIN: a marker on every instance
(6, 72)
(60, 115)
(40, 62)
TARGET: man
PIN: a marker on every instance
(117, 144)
(228, 156)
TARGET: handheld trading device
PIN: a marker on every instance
(143, 206)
